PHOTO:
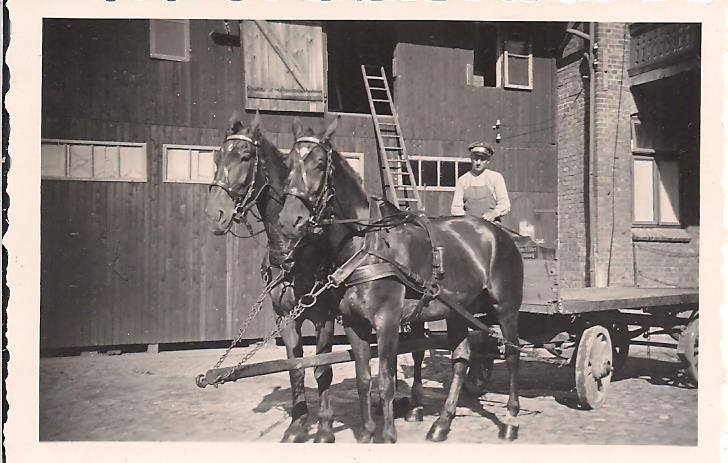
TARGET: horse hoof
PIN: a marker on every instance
(509, 432)
(366, 438)
(324, 438)
(414, 415)
(294, 437)
(389, 438)
(437, 433)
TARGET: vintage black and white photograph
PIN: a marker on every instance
(456, 231)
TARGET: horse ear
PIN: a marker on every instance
(234, 123)
(255, 123)
(297, 129)
(331, 128)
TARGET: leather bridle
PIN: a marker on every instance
(317, 204)
(242, 202)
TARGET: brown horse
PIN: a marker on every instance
(250, 171)
(480, 269)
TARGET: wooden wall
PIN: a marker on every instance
(441, 115)
(135, 263)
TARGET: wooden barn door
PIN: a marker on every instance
(284, 66)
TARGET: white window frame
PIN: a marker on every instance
(153, 40)
(193, 179)
(506, 75)
(67, 166)
(439, 160)
(346, 155)
(649, 154)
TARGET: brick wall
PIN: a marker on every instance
(620, 259)
(573, 93)
(614, 105)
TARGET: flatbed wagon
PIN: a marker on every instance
(587, 329)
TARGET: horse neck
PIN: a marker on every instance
(270, 201)
(350, 202)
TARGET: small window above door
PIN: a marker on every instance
(169, 39)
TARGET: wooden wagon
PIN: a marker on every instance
(588, 329)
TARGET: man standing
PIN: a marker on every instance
(481, 192)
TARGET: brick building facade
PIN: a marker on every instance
(644, 234)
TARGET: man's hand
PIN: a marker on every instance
(489, 216)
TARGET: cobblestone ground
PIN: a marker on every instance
(152, 397)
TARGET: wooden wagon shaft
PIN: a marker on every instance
(276, 366)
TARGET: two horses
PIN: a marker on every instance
(297, 195)
(250, 171)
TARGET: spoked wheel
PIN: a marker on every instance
(688, 349)
(620, 347)
(593, 367)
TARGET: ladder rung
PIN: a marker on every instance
(390, 136)
(395, 148)
(408, 200)
(377, 88)
(397, 160)
(404, 187)
(379, 100)
(385, 115)
(375, 77)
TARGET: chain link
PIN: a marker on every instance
(281, 323)
(251, 315)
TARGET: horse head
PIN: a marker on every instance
(309, 188)
(236, 168)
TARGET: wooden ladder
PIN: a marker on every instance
(397, 180)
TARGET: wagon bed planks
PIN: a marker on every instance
(580, 300)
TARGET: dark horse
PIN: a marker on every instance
(479, 267)
(251, 171)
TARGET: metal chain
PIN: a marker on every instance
(294, 313)
(251, 315)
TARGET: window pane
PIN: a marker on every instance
(641, 136)
(106, 162)
(178, 164)
(415, 165)
(517, 71)
(132, 163)
(356, 163)
(205, 165)
(447, 173)
(669, 192)
(169, 38)
(53, 160)
(463, 167)
(643, 200)
(429, 173)
(81, 165)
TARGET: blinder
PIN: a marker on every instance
(316, 203)
(242, 202)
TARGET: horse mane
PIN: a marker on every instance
(341, 163)
(349, 184)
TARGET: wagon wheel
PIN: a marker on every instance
(620, 346)
(688, 349)
(593, 367)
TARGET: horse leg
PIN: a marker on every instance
(297, 430)
(387, 341)
(457, 334)
(324, 375)
(509, 327)
(415, 409)
(358, 337)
